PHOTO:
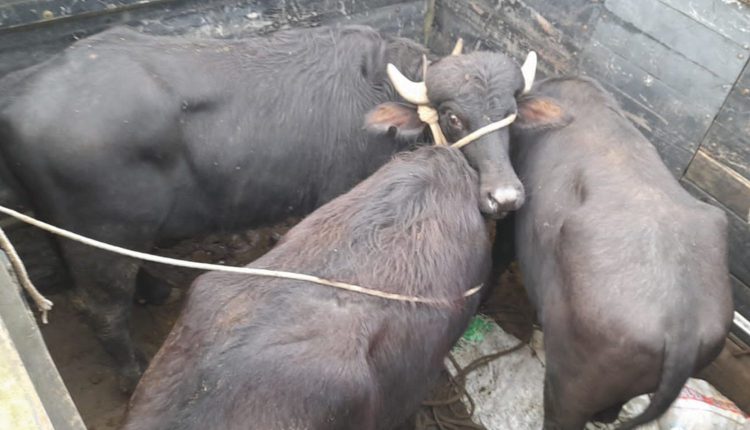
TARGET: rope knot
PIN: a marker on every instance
(429, 115)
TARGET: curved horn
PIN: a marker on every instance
(529, 71)
(413, 92)
(457, 50)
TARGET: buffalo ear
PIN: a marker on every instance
(395, 120)
(540, 113)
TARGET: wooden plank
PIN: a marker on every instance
(741, 294)
(728, 146)
(20, 407)
(668, 107)
(681, 33)
(30, 346)
(673, 126)
(693, 83)
(23, 12)
(197, 18)
(729, 19)
(574, 18)
(510, 27)
(728, 140)
(739, 235)
(727, 186)
(402, 19)
(730, 373)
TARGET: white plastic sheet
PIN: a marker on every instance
(508, 392)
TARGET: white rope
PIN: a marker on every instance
(22, 275)
(429, 115)
(231, 269)
(476, 134)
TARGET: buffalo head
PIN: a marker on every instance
(466, 93)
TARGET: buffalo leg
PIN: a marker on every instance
(503, 247)
(561, 409)
(503, 253)
(610, 414)
(104, 287)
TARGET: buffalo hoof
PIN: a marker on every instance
(151, 290)
(609, 415)
(128, 376)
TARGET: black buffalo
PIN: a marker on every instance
(250, 352)
(134, 139)
(627, 271)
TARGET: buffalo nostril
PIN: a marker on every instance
(491, 202)
(505, 196)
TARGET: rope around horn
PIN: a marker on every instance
(40, 300)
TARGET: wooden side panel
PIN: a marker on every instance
(683, 35)
(724, 184)
(22, 12)
(650, 104)
(26, 339)
(739, 247)
(727, 18)
(20, 406)
(728, 140)
(730, 373)
(30, 44)
(741, 293)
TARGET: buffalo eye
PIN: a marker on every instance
(455, 121)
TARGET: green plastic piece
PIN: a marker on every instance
(478, 326)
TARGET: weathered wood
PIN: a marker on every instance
(727, 186)
(727, 18)
(32, 352)
(741, 294)
(730, 374)
(402, 19)
(510, 27)
(688, 81)
(20, 407)
(655, 109)
(729, 146)
(728, 140)
(683, 34)
(31, 44)
(738, 235)
(23, 12)
(574, 18)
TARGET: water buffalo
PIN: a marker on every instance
(135, 139)
(627, 271)
(250, 352)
